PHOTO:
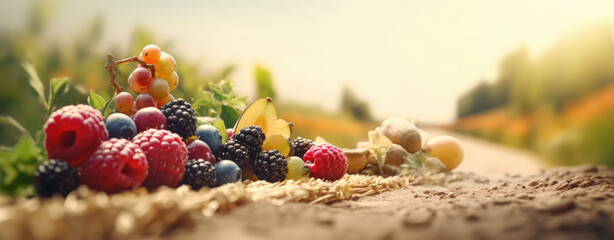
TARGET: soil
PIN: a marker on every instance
(561, 203)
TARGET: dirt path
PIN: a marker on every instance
(562, 203)
(488, 158)
(502, 195)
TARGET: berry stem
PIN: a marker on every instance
(111, 63)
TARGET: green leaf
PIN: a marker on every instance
(35, 83)
(229, 115)
(58, 85)
(227, 86)
(25, 151)
(40, 141)
(219, 124)
(18, 166)
(107, 110)
(96, 101)
(10, 174)
(217, 93)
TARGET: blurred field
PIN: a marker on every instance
(579, 134)
(559, 104)
(337, 128)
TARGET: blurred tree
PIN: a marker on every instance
(479, 99)
(264, 82)
(576, 66)
(357, 108)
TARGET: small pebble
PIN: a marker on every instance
(555, 205)
(418, 218)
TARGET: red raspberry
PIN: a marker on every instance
(116, 165)
(166, 157)
(72, 133)
(326, 162)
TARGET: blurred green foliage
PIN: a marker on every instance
(17, 165)
(589, 143)
(220, 102)
(80, 61)
(575, 67)
(264, 82)
(538, 91)
(352, 105)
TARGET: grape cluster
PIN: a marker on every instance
(154, 91)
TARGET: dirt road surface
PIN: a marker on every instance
(487, 158)
(502, 195)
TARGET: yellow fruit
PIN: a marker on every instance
(277, 131)
(260, 113)
(282, 144)
(280, 127)
(447, 149)
(165, 66)
(172, 80)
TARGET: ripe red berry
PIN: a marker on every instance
(326, 162)
(72, 133)
(166, 157)
(116, 165)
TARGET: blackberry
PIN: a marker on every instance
(198, 173)
(252, 138)
(180, 117)
(301, 146)
(270, 166)
(55, 177)
(235, 152)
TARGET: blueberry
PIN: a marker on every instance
(211, 136)
(119, 125)
(227, 171)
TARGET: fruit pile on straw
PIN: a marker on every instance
(139, 213)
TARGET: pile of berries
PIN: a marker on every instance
(154, 141)
(109, 157)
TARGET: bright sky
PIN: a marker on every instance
(407, 58)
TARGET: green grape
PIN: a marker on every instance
(165, 66)
(123, 102)
(159, 88)
(297, 168)
(151, 54)
(172, 80)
